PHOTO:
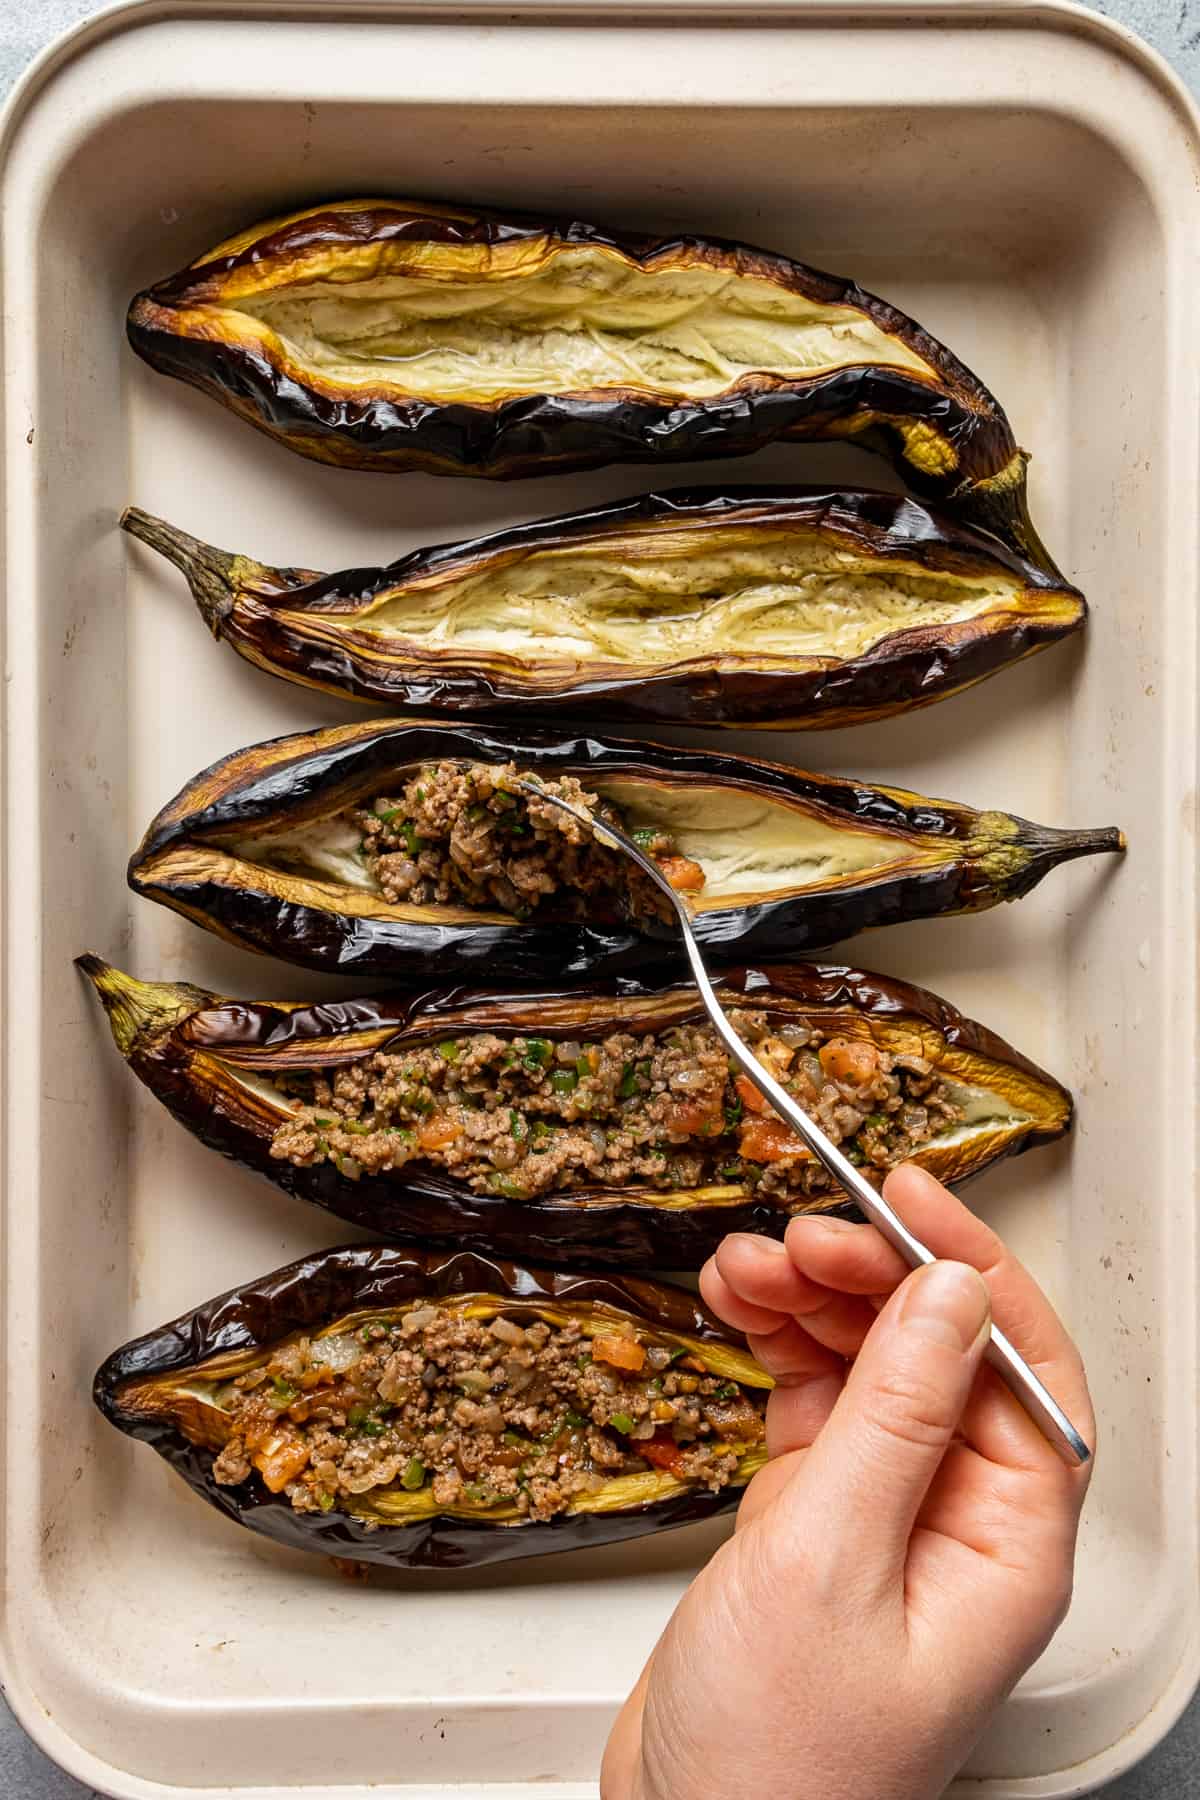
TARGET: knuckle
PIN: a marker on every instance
(910, 1408)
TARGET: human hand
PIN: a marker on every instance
(905, 1555)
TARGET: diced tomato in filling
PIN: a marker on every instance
(849, 1060)
(685, 876)
(439, 1131)
(280, 1461)
(619, 1352)
(662, 1452)
(749, 1095)
(768, 1141)
(696, 1118)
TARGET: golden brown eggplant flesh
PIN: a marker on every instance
(235, 1073)
(788, 606)
(176, 1388)
(379, 334)
(263, 849)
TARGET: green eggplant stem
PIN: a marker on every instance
(135, 1008)
(1000, 507)
(1103, 840)
(1050, 846)
(1015, 864)
(209, 572)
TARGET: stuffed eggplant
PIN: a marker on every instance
(796, 607)
(409, 851)
(382, 335)
(604, 1127)
(444, 1411)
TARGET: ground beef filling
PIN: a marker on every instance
(481, 1413)
(464, 833)
(524, 1116)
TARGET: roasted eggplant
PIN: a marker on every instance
(270, 849)
(426, 1091)
(783, 606)
(178, 1389)
(377, 334)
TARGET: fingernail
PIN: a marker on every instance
(836, 1227)
(947, 1302)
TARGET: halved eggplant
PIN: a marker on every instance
(264, 850)
(795, 607)
(175, 1388)
(238, 1074)
(382, 335)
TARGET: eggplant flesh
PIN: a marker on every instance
(380, 335)
(263, 850)
(228, 1070)
(800, 606)
(586, 320)
(172, 1388)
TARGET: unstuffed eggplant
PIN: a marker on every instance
(379, 334)
(402, 850)
(604, 1127)
(302, 1406)
(797, 607)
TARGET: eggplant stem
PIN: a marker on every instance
(1001, 507)
(137, 1009)
(209, 571)
(1065, 846)
(1048, 847)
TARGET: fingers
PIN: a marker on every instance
(994, 1422)
(808, 1379)
(790, 1355)
(798, 1413)
(808, 1375)
(753, 1283)
(829, 1276)
(868, 1473)
(836, 1253)
(856, 1260)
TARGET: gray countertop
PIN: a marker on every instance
(1172, 1772)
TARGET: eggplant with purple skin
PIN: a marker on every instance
(787, 606)
(272, 849)
(505, 1122)
(375, 334)
(186, 1387)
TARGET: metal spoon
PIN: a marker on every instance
(1011, 1367)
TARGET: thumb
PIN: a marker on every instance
(876, 1456)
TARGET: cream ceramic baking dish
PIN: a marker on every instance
(1023, 180)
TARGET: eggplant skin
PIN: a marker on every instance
(187, 1046)
(949, 858)
(942, 428)
(303, 626)
(326, 1286)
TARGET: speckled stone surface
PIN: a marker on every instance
(1172, 1772)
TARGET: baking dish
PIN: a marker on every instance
(1020, 178)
